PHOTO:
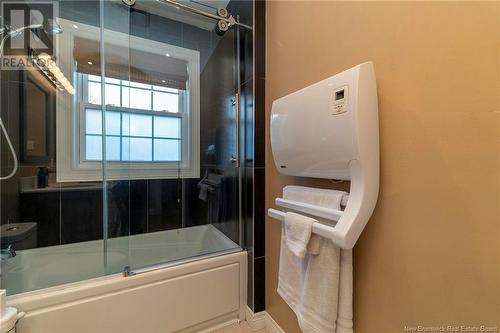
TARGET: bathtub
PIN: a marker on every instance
(183, 280)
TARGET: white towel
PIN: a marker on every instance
(298, 230)
(318, 287)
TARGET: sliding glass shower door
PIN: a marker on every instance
(171, 144)
(126, 136)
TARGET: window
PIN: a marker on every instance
(151, 108)
(143, 126)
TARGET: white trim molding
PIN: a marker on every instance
(68, 143)
(261, 320)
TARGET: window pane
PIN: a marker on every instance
(140, 125)
(140, 99)
(112, 123)
(93, 121)
(167, 150)
(165, 102)
(93, 146)
(140, 85)
(94, 93)
(167, 127)
(137, 149)
(125, 97)
(112, 148)
(114, 81)
(94, 78)
(160, 88)
(125, 124)
(125, 149)
(112, 95)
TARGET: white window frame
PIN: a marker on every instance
(69, 115)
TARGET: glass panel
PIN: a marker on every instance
(93, 121)
(94, 78)
(140, 149)
(113, 148)
(94, 93)
(111, 80)
(138, 98)
(113, 123)
(152, 210)
(140, 125)
(125, 97)
(178, 211)
(116, 207)
(112, 94)
(160, 88)
(125, 124)
(167, 150)
(167, 127)
(165, 102)
(139, 85)
(125, 148)
(59, 224)
(93, 147)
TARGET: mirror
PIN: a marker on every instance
(37, 119)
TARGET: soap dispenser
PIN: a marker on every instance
(43, 177)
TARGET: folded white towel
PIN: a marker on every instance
(298, 230)
(318, 287)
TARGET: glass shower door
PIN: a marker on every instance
(125, 131)
(172, 178)
(54, 200)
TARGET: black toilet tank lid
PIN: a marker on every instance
(17, 231)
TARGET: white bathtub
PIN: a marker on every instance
(56, 265)
(191, 296)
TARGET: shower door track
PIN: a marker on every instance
(127, 271)
(229, 19)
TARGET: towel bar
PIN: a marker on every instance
(320, 229)
(326, 213)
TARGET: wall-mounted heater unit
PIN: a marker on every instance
(330, 130)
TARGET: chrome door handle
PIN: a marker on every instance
(238, 130)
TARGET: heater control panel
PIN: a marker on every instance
(340, 100)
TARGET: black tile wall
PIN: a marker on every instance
(260, 124)
(250, 279)
(44, 210)
(164, 204)
(259, 211)
(259, 284)
(260, 38)
(259, 302)
(78, 222)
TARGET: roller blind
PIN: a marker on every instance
(130, 64)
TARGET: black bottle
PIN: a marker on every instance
(43, 177)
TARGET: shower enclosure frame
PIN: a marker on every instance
(235, 159)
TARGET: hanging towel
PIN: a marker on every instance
(318, 287)
(298, 230)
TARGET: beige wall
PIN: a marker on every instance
(430, 253)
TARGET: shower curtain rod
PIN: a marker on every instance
(230, 20)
